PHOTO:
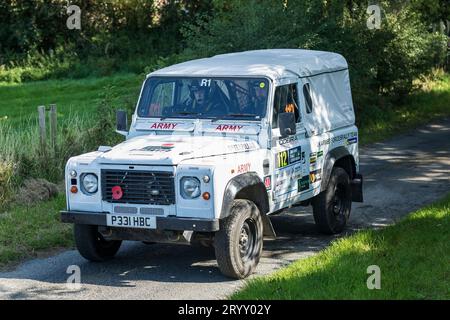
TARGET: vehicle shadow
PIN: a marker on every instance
(136, 261)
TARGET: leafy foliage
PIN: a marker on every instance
(115, 35)
(381, 61)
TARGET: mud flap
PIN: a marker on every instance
(269, 231)
(357, 188)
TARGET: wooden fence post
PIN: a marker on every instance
(42, 131)
(53, 128)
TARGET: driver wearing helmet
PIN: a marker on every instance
(199, 95)
(202, 99)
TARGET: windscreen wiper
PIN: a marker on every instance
(183, 113)
(189, 113)
(245, 115)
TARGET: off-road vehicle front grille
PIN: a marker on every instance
(139, 187)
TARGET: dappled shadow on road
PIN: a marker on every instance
(160, 262)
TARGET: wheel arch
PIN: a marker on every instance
(338, 157)
(248, 186)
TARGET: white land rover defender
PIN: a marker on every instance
(216, 146)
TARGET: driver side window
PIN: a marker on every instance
(286, 100)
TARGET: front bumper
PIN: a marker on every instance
(162, 223)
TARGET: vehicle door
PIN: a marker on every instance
(291, 175)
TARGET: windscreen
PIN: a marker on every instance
(204, 98)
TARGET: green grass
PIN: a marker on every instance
(413, 255)
(377, 124)
(25, 231)
(19, 102)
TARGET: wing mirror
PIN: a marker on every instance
(122, 122)
(286, 123)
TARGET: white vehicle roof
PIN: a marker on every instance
(326, 74)
(273, 63)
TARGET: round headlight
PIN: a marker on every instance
(190, 188)
(89, 182)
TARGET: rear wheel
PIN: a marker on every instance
(332, 207)
(92, 246)
(238, 244)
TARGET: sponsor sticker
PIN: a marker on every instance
(303, 184)
(352, 140)
(284, 141)
(295, 155)
(268, 182)
(315, 176)
(343, 137)
(315, 160)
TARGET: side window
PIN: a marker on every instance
(307, 95)
(286, 100)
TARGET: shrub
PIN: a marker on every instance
(21, 146)
(21, 156)
(37, 65)
(115, 34)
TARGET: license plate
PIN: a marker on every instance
(131, 221)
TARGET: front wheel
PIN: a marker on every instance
(92, 246)
(331, 208)
(238, 244)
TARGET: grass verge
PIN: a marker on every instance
(25, 231)
(413, 256)
(432, 102)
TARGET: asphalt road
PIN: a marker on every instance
(401, 175)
